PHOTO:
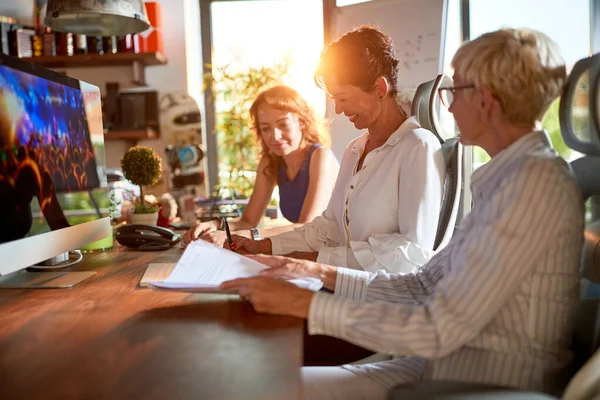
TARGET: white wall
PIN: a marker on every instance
(20, 9)
(417, 40)
(193, 51)
(165, 78)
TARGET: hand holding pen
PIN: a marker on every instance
(232, 245)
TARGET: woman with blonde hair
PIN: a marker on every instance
(294, 156)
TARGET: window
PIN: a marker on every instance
(256, 33)
(254, 42)
(452, 41)
(566, 22)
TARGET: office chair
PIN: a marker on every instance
(425, 107)
(581, 131)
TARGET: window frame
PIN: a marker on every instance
(465, 24)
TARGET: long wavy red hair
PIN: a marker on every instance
(285, 98)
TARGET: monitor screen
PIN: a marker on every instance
(52, 166)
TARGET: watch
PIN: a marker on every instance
(255, 234)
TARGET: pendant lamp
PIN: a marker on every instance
(97, 17)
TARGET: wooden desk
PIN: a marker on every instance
(106, 338)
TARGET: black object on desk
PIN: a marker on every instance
(146, 237)
(227, 231)
(220, 205)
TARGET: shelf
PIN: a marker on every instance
(97, 60)
(137, 61)
(131, 135)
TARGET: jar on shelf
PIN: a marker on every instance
(128, 44)
(80, 44)
(49, 43)
(64, 46)
(37, 45)
(110, 44)
(95, 45)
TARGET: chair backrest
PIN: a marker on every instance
(425, 109)
(586, 346)
(453, 178)
(420, 106)
(580, 127)
(425, 104)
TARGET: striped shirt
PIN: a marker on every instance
(496, 305)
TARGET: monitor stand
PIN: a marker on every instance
(43, 280)
(46, 279)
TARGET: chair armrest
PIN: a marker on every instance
(449, 390)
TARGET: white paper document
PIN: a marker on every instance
(204, 266)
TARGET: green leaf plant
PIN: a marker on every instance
(142, 166)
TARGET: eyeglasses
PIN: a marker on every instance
(447, 94)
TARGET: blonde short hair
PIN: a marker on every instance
(522, 68)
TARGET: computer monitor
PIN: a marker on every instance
(53, 194)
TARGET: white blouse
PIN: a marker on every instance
(385, 215)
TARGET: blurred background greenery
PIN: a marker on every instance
(238, 147)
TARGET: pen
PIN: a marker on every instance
(227, 231)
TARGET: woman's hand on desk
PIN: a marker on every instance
(246, 245)
(199, 229)
(290, 268)
(218, 238)
(272, 296)
(215, 237)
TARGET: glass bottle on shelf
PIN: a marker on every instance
(95, 45)
(64, 45)
(110, 44)
(49, 43)
(80, 44)
(136, 43)
(37, 45)
(128, 44)
(121, 48)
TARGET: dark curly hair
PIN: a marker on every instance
(358, 58)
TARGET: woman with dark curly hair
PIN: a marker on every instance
(384, 209)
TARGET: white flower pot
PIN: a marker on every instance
(144, 219)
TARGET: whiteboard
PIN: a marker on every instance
(417, 30)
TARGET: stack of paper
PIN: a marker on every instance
(204, 266)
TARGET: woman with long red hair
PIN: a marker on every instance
(294, 156)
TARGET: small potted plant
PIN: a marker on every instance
(142, 166)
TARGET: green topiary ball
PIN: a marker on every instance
(141, 165)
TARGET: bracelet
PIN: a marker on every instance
(255, 234)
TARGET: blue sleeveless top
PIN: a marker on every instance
(292, 193)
